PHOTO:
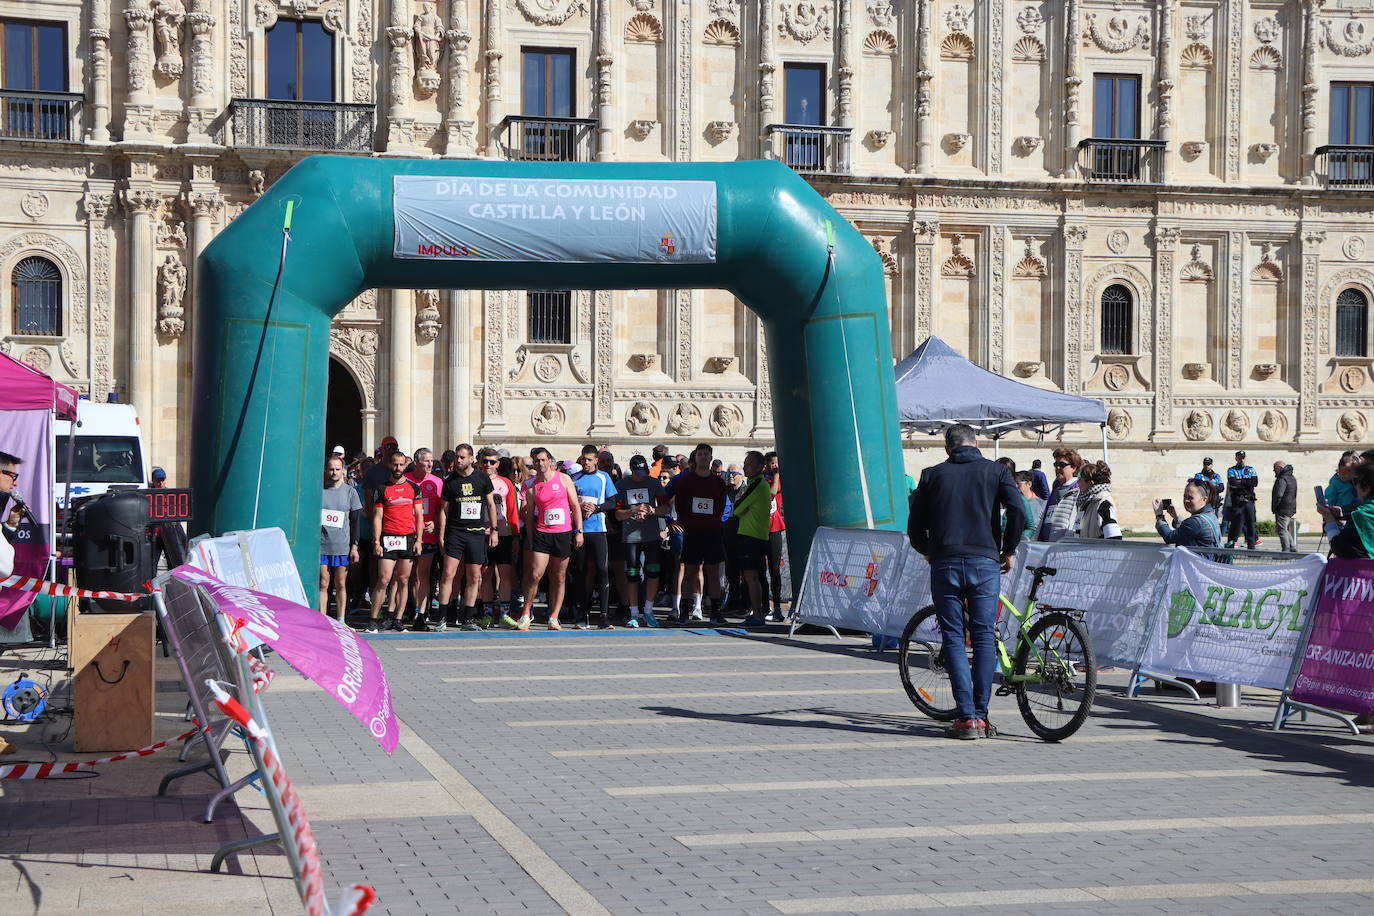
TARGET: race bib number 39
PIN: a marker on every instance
(332, 518)
(470, 511)
(703, 506)
(553, 517)
(392, 542)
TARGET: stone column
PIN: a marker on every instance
(844, 77)
(205, 206)
(1311, 37)
(1073, 82)
(491, 56)
(1165, 247)
(493, 358)
(1234, 82)
(400, 135)
(603, 366)
(1071, 306)
(996, 30)
(459, 128)
(605, 62)
(201, 110)
(997, 299)
(140, 204)
(99, 40)
(1309, 429)
(459, 369)
(1236, 286)
(925, 130)
(401, 327)
(98, 205)
(925, 232)
(768, 66)
(1164, 86)
(138, 100)
(763, 386)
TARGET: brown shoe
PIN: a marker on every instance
(965, 729)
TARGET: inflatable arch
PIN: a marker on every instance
(261, 357)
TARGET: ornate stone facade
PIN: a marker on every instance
(1232, 253)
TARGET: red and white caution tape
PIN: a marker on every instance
(44, 770)
(44, 587)
(311, 880)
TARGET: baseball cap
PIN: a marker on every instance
(389, 440)
(638, 463)
(1240, 454)
(1206, 460)
(503, 453)
(159, 474)
(338, 450)
(568, 466)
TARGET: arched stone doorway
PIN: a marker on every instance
(343, 418)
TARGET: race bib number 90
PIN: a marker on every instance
(553, 517)
(703, 506)
(332, 518)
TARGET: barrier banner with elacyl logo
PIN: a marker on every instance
(1233, 624)
(569, 221)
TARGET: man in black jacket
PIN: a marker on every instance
(956, 522)
(1284, 505)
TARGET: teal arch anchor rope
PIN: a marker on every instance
(257, 448)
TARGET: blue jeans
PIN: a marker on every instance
(958, 584)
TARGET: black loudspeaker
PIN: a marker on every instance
(112, 549)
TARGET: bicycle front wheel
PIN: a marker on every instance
(923, 668)
(1055, 673)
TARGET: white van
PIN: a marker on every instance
(108, 451)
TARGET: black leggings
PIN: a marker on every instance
(772, 583)
(594, 543)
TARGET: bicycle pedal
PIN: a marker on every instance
(1004, 691)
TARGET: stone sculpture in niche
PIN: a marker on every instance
(171, 280)
(168, 16)
(429, 39)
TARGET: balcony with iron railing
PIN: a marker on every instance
(1346, 166)
(276, 124)
(28, 115)
(527, 138)
(809, 148)
(1120, 161)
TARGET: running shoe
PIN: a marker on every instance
(524, 623)
(554, 624)
(581, 625)
(439, 627)
(697, 615)
(753, 622)
(632, 622)
(967, 729)
(776, 617)
(485, 622)
(372, 628)
(470, 626)
(649, 619)
(509, 622)
(420, 626)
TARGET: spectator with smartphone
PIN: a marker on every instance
(1356, 537)
(1200, 528)
(1340, 489)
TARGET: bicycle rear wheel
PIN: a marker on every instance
(923, 669)
(1059, 659)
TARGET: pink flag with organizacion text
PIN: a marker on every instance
(318, 646)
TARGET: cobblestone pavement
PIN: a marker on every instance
(679, 771)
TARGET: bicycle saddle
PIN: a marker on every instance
(1044, 570)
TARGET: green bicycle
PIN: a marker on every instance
(1053, 674)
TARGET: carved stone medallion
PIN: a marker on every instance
(1353, 378)
(1272, 426)
(550, 12)
(685, 419)
(1234, 425)
(1351, 427)
(37, 358)
(548, 418)
(1353, 248)
(547, 367)
(641, 419)
(34, 204)
(1118, 424)
(1197, 426)
(1116, 377)
(1117, 240)
(726, 421)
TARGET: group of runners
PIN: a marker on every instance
(470, 542)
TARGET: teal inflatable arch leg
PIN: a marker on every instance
(261, 359)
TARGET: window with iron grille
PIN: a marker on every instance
(1116, 319)
(36, 288)
(1352, 323)
(550, 316)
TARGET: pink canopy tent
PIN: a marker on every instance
(32, 401)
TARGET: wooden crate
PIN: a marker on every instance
(112, 655)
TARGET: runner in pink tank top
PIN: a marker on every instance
(553, 526)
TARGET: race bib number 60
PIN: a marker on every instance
(392, 542)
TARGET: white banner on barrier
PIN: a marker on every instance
(855, 579)
(1116, 584)
(259, 559)
(1233, 624)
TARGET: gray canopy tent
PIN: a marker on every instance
(937, 387)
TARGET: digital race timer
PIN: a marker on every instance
(168, 505)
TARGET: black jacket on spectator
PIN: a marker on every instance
(1284, 500)
(957, 508)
